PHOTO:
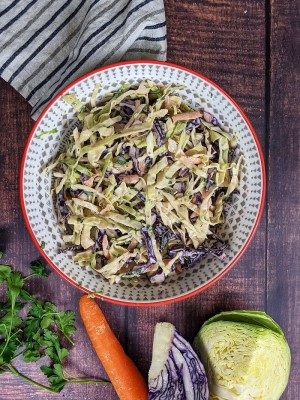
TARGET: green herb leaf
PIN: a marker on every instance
(37, 331)
(7, 307)
(36, 310)
(46, 321)
(30, 328)
(5, 271)
(27, 296)
(15, 283)
(49, 307)
(65, 321)
(38, 268)
(43, 244)
(7, 321)
(31, 355)
(34, 350)
(40, 317)
(54, 349)
(32, 323)
(8, 350)
(55, 376)
(1, 254)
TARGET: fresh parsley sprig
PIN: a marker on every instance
(38, 334)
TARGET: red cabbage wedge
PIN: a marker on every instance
(176, 371)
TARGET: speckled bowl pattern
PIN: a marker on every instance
(39, 208)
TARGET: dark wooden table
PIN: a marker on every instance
(248, 48)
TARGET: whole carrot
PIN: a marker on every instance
(123, 373)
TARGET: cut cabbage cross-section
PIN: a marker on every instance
(246, 356)
(176, 371)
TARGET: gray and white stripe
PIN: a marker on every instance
(44, 45)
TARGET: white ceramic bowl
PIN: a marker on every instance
(38, 205)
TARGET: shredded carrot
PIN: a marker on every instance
(187, 115)
(106, 209)
(122, 372)
(142, 167)
(176, 264)
(105, 247)
(190, 160)
(89, 182)
(130, 179)
(194, 199)
(133, 244)
(178, 267)
(207, 116)
(166, 103)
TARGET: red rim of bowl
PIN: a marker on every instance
(183, 296)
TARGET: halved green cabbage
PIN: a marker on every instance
(245, 355)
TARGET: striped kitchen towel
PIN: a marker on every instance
(45, 44)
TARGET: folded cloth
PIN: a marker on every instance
(44, 45)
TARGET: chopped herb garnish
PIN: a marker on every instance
(155, 91)
(42, 133)
(121, 160)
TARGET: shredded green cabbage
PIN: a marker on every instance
(142, 184)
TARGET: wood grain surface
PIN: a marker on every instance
(249, 49)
